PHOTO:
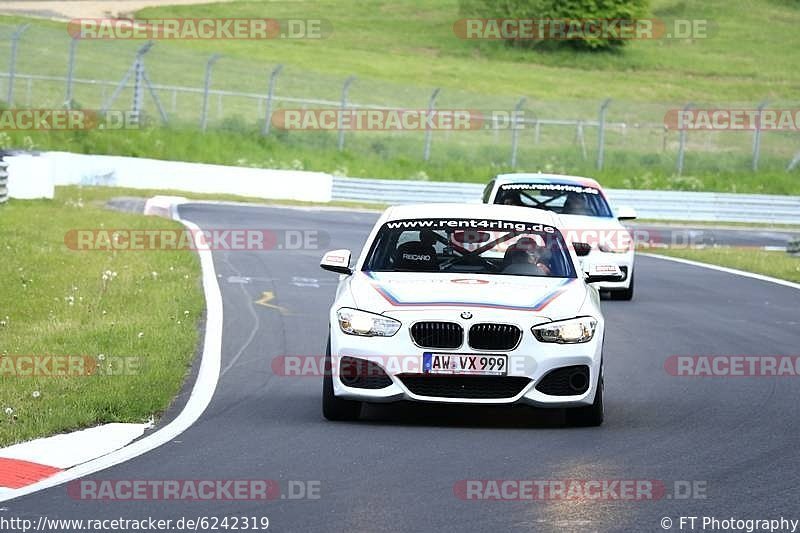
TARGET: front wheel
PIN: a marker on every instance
(334, 408)
(591, 415)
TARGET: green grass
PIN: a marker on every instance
(412, 42)
(775, 264)
(41, 276)
(400, 50)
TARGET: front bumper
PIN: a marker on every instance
(623, 261)
(399, 358)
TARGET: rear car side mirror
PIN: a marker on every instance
(626, 213)
(595, 273)
(337, 261)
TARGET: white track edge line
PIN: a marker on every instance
(727, 270)
(204, 387)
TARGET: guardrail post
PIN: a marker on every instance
(757, 137)
(682, 146)
(12, 65)
(342, 107)
(431, 102)
(273, 79)
(601, 133)
(515, 123)
(206, 88)
(73, 46)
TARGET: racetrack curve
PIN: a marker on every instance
(396, 469)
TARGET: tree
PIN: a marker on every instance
(581, 24)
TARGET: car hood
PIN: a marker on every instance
(388, 292)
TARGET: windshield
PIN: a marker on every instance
(564, 199)
(470, 246)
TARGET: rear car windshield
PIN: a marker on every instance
(564, 199)
(470, 246)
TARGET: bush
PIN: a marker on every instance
(561, 10)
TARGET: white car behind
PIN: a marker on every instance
(586, 217)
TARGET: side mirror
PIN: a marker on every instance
(582, 249)
(626, 213)
(337, 261)
(602, 273)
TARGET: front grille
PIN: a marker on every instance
(474, 387)
(362, 374)
(624, 270)
(437, 334)
(565, 381)
(494, 336)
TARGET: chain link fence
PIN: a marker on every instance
(42, 67)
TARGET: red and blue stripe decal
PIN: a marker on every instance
(536, 306)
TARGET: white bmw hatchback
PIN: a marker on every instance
(468, 304)
(586, 217)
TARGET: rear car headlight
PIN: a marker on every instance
(614, 248)
(572, 331)
(355, 322)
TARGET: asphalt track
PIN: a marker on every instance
(396, 470)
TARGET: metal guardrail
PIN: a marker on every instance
(657, 205)
(3, 182)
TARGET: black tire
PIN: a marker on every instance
(334, 408)
(591, 415)
(624, 294)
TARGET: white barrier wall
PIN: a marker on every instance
(63, 168)
(30, 176)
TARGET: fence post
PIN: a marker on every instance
(206, 87)
(342, 107)
(73, 45)
(682, 146)
(138, 82)
(757, 137)
(273, 78)
(431, 102)
(601, 133)
(515, 131)
(580, 138)
(12, 65)
(3, 182)
(794, 162)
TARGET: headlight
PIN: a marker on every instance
(572, 331)
(355, 322)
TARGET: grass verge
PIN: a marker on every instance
(241, 145)
(54, 301)
(775, 264)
